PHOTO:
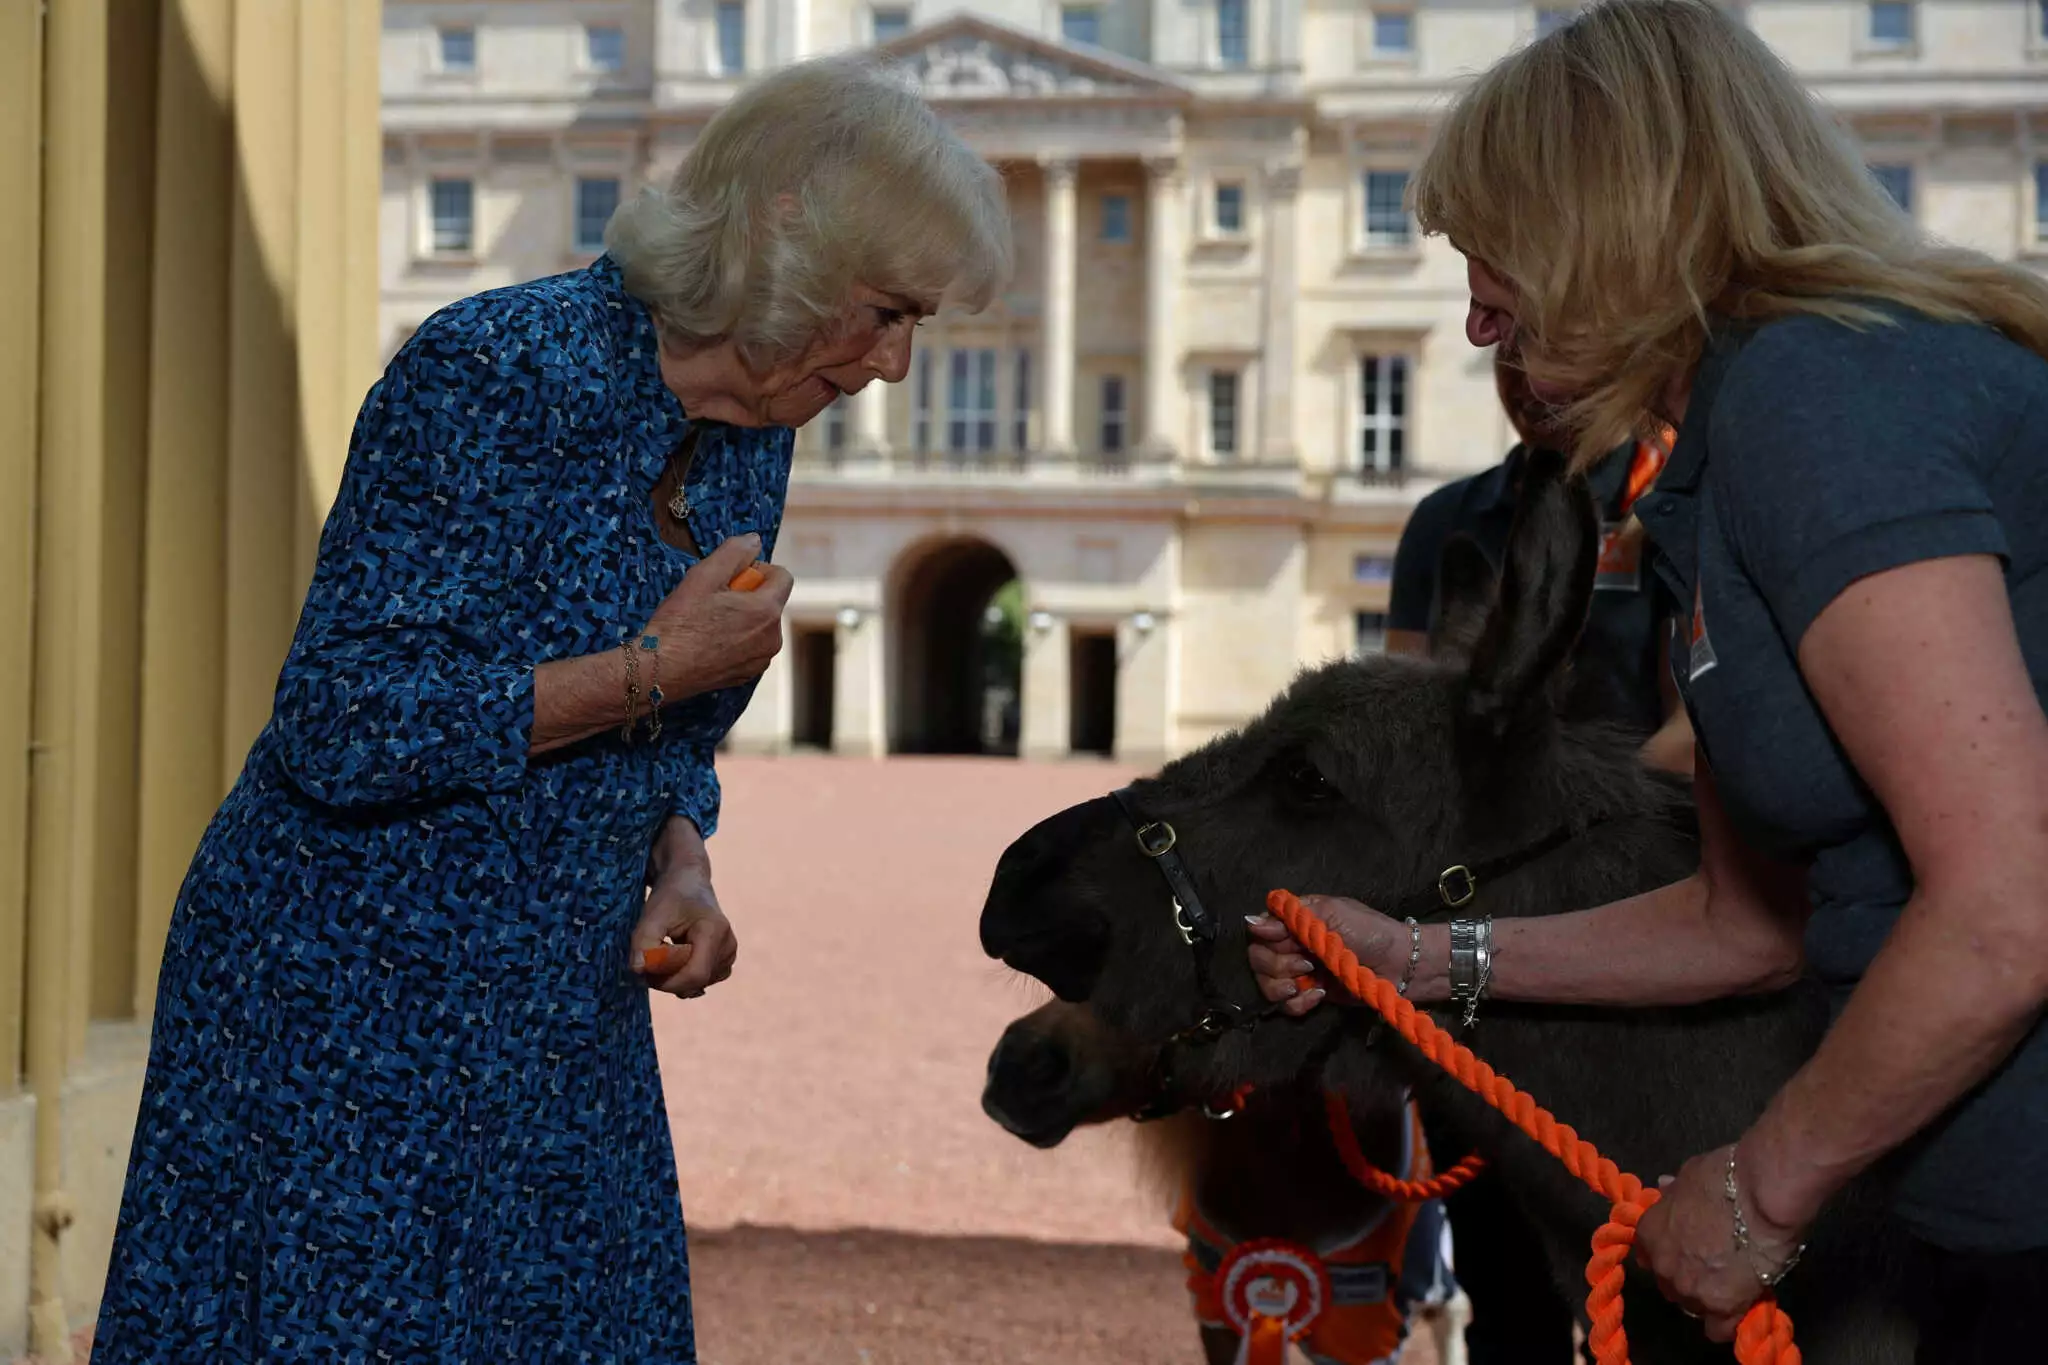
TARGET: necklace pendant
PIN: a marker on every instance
(679, 504)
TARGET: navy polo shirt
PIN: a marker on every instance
(1615, 668)
(1814, 454)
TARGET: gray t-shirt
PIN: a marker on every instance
(1814, 454)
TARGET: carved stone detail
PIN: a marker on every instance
(967, 66)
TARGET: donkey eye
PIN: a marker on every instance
(1305, 782)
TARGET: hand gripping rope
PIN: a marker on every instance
(1765, 1334)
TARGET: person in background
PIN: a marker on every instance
(1621, 671)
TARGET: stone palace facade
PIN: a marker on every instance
(1228, 364)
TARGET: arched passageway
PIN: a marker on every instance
(958, 651)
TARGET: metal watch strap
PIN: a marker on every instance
(1464, 968)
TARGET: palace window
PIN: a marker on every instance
(890, 24)
(604, 46)
(1382, 413)
(1897, 181)
(1223, 394)
(1233, 33)
(452, 208)
(1116, 218)
(597, 198)
(1081, 24)
(1890, 23)
(1020, 414)
(457, 49)
(1228, 217)
(921, 403)
(1386, 209)
(732, 37)
(1116, 418)
(971, 401)
(1393, 33)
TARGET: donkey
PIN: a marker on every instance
(1256, 1168)
(1370, 777)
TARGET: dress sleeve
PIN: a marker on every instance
(393, 690)
(698, 795)
(1842, 453)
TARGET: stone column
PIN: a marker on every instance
(766, 726)
(859, 723)
(1043, 729)
(871, 422)
(1276, 360)
(1056, 361)
(1165, 404)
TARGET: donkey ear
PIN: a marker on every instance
(1546, 587)
(1465, 595)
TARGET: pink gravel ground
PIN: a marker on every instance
(835, 1080)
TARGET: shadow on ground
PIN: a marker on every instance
(863, 1297)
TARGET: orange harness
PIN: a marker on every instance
(1765, 1334)
(1338, 1301)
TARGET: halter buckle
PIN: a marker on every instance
(1456, 885)
(1156, 840)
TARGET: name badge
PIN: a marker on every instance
(1700, 658)
(1620, 567)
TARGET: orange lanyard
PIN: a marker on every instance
(1646, 466)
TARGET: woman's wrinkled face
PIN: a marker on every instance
(1491, 321)
(870, 340)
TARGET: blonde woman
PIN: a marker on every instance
(1662, 225)
(402, 1101)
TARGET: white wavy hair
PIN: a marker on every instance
(824, 174)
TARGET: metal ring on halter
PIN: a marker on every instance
(1465, 878)
(1149, 846)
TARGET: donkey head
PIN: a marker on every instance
(1366, 778)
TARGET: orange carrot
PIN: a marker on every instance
(748, 579)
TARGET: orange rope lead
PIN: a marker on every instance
(1386, 1186)
(1765, 1335)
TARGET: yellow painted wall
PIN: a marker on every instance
(187, 310)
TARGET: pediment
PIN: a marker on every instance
(970, 57)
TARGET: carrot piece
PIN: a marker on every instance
(748, 579)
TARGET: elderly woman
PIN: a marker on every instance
(402, 1101)
(1662, 225)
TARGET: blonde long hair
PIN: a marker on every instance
(1653, 165)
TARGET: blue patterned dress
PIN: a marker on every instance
(402, 1102)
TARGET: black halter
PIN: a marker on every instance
(1198, 928)
(1455, 887)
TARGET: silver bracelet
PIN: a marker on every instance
(1414, 955)
(1485, 970)
(1771, 1280)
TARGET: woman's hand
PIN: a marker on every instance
(1381, 944)
(1687, 1241)
(713, 636)
(683, 943)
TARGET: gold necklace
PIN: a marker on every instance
(679, 501)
